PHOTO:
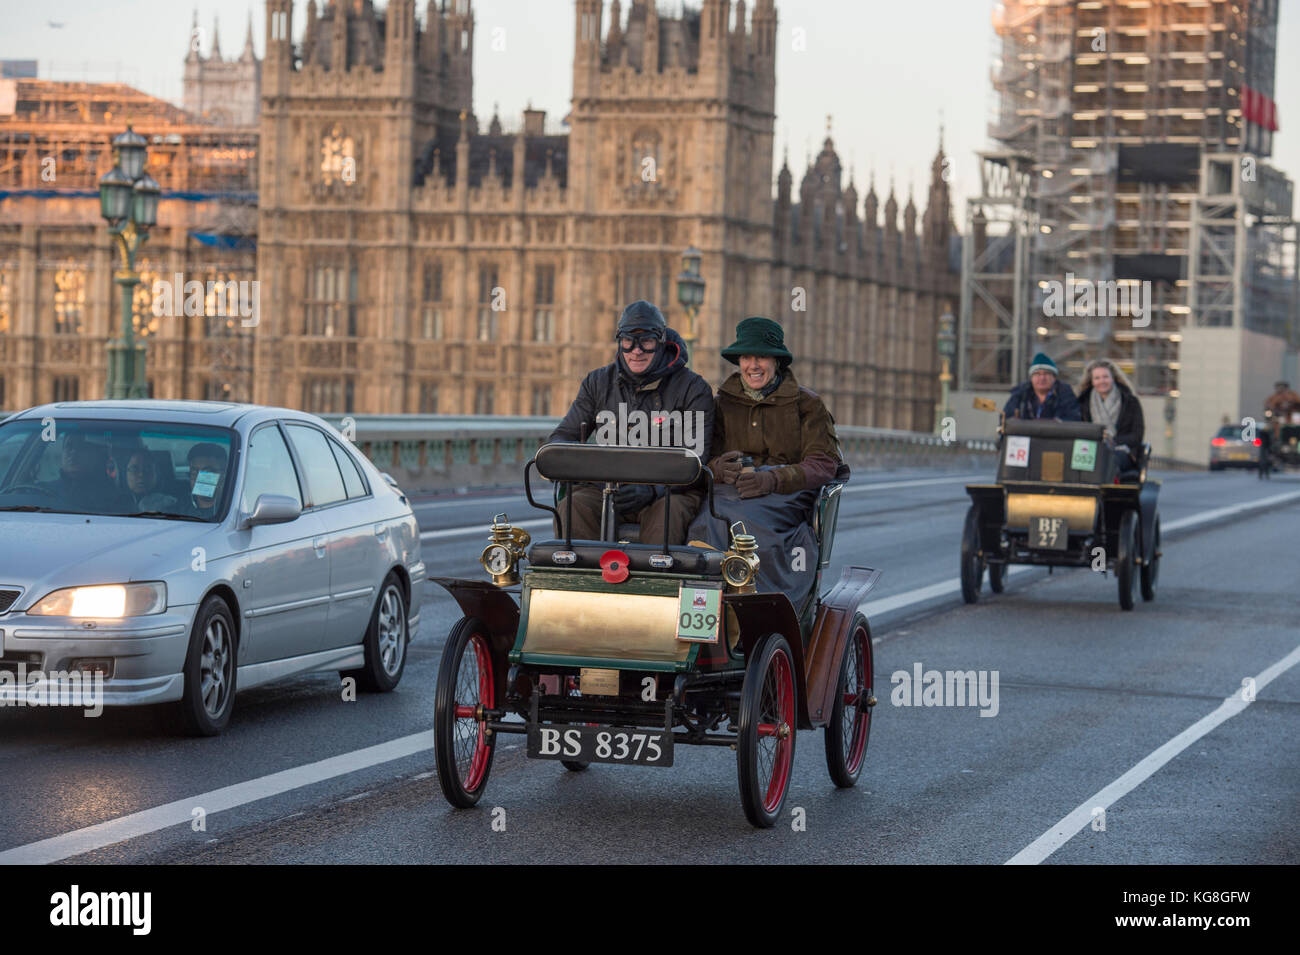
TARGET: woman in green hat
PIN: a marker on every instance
(776, 447)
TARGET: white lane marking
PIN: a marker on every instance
(921, 594)
(463, 500)
(479, 529)
(1218, 513)
(142, 823)
(922, 482)
(1071, 825)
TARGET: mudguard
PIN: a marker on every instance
(760, 614)
(829, 634)
(496, 608)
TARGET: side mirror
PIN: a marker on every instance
(272, 509)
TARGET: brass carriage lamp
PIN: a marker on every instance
(740, 564)
(690, 295)
(505, 549)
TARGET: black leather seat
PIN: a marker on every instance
(563, 461)
(686, 560)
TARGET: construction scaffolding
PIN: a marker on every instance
(1105, 109)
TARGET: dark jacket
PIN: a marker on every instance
(790, 428)
(1060, 404)
(1130, 427)
(672, 388)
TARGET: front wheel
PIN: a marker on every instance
(972, 565)
(850, 726)
(1151, 566)
(210, 670)
(1126, 559)
(466, 686)
(765, 744)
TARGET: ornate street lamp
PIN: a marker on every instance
(690, 295)
(128, 201)
(947, 344)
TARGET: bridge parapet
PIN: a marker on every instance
(426, 453)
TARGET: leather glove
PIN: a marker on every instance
(726, 467)
(632, 498)
(756, 483)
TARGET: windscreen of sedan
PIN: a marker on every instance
(129, 468)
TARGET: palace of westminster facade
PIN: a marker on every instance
(409, 262)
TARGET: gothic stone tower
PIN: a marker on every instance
(671, 145)
(338, 133)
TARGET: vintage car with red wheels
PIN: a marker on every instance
(621, 650)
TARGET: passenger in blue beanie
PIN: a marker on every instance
(1044, 395)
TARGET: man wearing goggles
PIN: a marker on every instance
(648, 379)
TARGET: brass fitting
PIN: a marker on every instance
(506, 546)
(740, 563)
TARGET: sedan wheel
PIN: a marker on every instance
(210, 671)
(385, 641)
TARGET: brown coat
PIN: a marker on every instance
(790, 427)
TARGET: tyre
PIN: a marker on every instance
(972, 565)
(210, 671)
(997, 577)
(385, 641)
(768, 725)
(574, 765)
(1151, 568)
(1126, 558)
(466, 680)
(850, 725)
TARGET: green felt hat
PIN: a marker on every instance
(758, 336)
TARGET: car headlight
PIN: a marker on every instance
(104, 600)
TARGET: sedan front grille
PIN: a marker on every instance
(7, 597)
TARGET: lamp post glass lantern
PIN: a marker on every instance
(946, 342)
(690, 295)
(128, 201)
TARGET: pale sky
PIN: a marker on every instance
(884, 70)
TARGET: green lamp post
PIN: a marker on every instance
(946, 339)
(128, 201)
(690, 296)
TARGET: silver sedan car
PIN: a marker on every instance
(178, 550)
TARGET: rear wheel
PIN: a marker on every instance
(972, 565)
(465, 684)
(850, 726)
(997, 577)
(385, 641)
(1126, 559)
(765, 747)
(1151, 566)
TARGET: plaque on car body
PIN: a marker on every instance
(1049, 533)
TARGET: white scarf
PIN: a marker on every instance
(1105, 411)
